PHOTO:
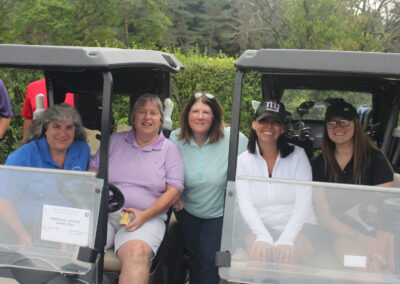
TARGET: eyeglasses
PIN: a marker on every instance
(333, 123)
(199, 95)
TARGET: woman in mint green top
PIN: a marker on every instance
(204, 142)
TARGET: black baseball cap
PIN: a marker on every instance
(270, 108)
(340, 108)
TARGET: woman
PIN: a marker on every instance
(55, 141)
(204, 143)
(149, 170)
(275, 214)
(349, 156)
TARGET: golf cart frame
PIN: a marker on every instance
(95, 76)
(375, 73)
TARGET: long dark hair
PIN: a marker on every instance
(362, 146)
(284, 147)
(216, 131)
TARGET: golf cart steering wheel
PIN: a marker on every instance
(116, 199)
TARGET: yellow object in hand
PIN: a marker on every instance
(125, 216)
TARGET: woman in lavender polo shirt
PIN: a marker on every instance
(149, 170)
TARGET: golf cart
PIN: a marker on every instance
(67, 210)
(306, 81)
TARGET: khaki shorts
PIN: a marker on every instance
(152, 232)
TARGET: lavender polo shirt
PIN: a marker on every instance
(142, 173)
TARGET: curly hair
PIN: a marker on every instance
(60, 112)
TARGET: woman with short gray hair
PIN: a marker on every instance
(56, 140)
(148, 169)
(61, 112)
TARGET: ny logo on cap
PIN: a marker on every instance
(272, 106)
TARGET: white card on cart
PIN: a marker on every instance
(355, 261)
(65, 225)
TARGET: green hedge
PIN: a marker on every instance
(202, 73)
(15, 82)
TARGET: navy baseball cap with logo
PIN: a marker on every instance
(340, 108)
(270, 108)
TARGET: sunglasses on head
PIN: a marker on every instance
(333, 123)
(199, 95)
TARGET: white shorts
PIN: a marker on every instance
(152, 232)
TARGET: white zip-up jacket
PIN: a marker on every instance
(282, 207)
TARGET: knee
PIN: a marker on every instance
(135, 253)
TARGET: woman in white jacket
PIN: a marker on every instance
(275, 213)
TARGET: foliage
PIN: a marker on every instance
(324, 24)
(84, 22)
(214, 26)
(205, 24)
(15, 82)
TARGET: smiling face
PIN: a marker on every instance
(60, 135)
(339, 134)
(147, 120)
(268, 130)
(200, 118)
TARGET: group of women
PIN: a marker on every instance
(189, 171)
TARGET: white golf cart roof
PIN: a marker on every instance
(74, 57)
(320, 61)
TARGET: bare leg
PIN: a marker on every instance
(135, 259)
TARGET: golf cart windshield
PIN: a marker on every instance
(379, 212)
(58, 209)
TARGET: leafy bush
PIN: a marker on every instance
(15, 81)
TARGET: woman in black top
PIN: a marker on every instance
(349, 156)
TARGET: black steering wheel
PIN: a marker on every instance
(115, 199)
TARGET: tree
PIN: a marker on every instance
(61, 22)
(259, 24)
(84, 22)
(144, 22)
(204, 24)
(314, 24)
